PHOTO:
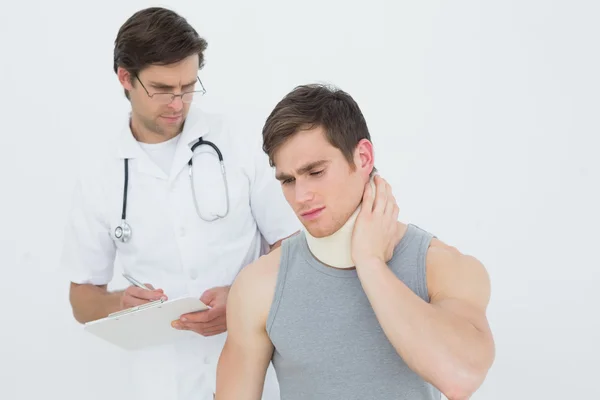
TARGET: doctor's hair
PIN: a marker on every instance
(155, 36)
(316, 105)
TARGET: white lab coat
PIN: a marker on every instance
(171, 247)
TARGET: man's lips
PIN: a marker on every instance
(172, 117)
(312, 213)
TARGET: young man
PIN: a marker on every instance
(184, 236)
(358, 305)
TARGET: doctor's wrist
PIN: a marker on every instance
(113, 301)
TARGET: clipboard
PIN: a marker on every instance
(144, 326)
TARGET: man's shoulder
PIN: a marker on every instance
(215, 121)
(220, 124)
(241, 138)
(257, 281)
(450, 272)
(441, 254)
(260, 275)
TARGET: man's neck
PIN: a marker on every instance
(336, 250)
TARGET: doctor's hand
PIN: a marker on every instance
(135, 296)
(210, 322)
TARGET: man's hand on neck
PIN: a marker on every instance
(377, 230)
(351, 245)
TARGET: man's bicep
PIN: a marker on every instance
(247, 351)
(246, 310)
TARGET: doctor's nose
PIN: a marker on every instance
(176, 104)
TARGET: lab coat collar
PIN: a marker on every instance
(194, 127)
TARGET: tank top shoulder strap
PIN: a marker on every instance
(289, 247)
(409, 260)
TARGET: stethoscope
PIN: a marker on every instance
(123, 231)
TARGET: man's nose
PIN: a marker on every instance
(304, 192)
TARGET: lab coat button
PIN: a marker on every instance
(194, 274)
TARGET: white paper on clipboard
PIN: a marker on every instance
(144, 326)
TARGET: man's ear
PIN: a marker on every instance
(125, 78)
(364, 157)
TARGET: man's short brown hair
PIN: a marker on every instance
(311, 106)
(155, 36)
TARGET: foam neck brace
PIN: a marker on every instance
(335, 250)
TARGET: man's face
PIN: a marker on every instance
(163, 120)
(318, 182)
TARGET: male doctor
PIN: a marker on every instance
(181, 235)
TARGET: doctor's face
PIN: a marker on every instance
(157, 115)
(322, 187)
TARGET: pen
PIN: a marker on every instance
(135, 282)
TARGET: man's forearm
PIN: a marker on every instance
(91, 302)
(445, 349)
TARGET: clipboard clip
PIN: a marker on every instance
(136, 308)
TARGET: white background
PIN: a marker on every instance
(485, 120)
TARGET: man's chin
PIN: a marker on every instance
(171, 129)
(317, 232)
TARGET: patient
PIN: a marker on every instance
(358, 305)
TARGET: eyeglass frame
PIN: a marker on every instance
(173, 95)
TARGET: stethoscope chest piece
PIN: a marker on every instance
(123, 232)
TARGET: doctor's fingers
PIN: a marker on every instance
(149, 295)
(204, 328)
(129, 299)
(201, 325)
(205, 315)
(128, 302)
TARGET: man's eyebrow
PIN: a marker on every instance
(160, 85)
(281, 176)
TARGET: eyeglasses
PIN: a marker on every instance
(167, 98)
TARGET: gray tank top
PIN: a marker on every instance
(328, 342)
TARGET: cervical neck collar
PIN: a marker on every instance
(335, 250)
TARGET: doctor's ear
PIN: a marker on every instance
(125, 78)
